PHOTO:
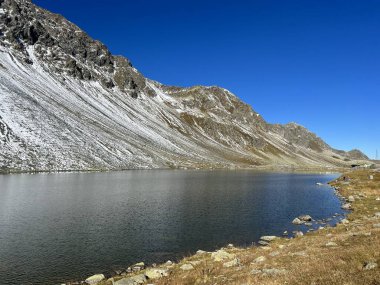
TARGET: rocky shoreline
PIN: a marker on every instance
(269, 247)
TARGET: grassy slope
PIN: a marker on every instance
(307, 259)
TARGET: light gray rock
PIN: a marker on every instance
(346, 206)
(268, 238)
(376, 226)
(351, 199)
(331, 244)
(232, 263)
(222, 255)
(156, 273)
(305, 218)
(369, 265)
(298, 234)
(195, 263)
(260, 259)
(297, 221)
(134, 280)
(201, 252)
(95, 279)
(138, 266)
(263, 243)
(187, 267)
(273, 272)
(256, 272)
(345, 221)
(275, 253)
(299, 253)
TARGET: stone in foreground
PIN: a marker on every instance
(95, 279)
(156, 273)
(268, 238)
(232, 263)
(369, 265)
(221, 255)
(187, 267)
(134, 280)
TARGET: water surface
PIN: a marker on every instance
(60, 227)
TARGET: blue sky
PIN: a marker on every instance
(315, 62)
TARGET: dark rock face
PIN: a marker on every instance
(62, 44)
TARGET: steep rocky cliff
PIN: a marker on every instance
(67, 103)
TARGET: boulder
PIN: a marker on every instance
(221, 255)
(232, 263)
(331, 244)
(187, 267)
(268, 238)
(274, 253)
(298, 234)
(134, 280)
(95, 279)
(195, 262)
(345, 221)
(138, 266)
(351, 199)
(346, 206)
(200, 251)
(156, 273)
(369, 265)
(260, 259)
(305, 218)
(377, 226)
(297, 221)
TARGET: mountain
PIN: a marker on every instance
(67, 103)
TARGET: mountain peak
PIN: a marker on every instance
(68, 103)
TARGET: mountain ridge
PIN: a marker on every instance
(67, 103)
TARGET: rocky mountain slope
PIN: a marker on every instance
(67, 103)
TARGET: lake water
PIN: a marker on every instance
(60, 227)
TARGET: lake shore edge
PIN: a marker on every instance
(332, 255)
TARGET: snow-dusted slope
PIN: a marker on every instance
(66, 103)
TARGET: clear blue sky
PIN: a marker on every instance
(315, 62)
